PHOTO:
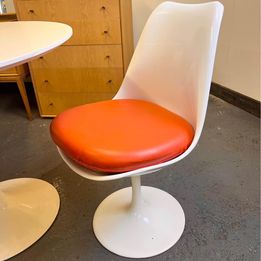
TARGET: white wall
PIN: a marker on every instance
(238, 56)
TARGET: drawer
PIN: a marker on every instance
(51, 104)
(78, 80)
(79, 69)
(89, 56)
(93, 22)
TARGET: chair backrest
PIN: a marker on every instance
(173, 62)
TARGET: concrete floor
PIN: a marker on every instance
(217, 185)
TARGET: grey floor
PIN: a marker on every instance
(217, 185)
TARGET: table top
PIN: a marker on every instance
(24, 40)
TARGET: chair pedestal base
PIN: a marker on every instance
(147, 228)
(28, 207)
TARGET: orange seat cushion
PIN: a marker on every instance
(121, 135)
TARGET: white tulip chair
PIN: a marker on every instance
(171, 67)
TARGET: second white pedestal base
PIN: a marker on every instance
(146, 230)
(28, 208)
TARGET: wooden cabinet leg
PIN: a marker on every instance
(23, 93)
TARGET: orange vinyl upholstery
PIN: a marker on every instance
(121, 135)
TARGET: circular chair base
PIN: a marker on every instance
(146, 230)
(28, 207)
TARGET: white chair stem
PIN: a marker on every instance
(136, 193)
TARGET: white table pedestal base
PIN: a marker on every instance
(148, 226)
(28, 208)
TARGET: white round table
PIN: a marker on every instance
(28, 206)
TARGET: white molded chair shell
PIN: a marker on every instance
(172, 66)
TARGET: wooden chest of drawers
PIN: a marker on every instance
(91, 65)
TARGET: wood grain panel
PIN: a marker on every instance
(9, 71)
(79, 69)
(93, 22)
(52, 104)
(78, 80)
(21, 70)
(89, 56)
(126, 32)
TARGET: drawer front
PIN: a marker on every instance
(53, 103)
(79, 69)
(89, 56)
(78, 80)
(93, 22)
